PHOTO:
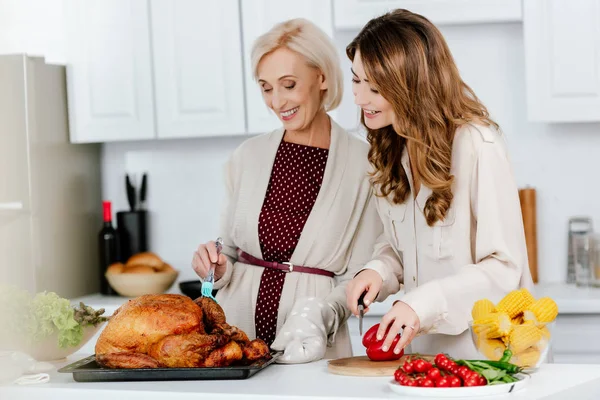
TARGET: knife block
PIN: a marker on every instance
(133, 232)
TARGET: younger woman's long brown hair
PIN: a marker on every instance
(407, 60)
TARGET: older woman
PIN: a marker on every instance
(300, 219)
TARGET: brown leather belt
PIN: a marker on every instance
(285, 266)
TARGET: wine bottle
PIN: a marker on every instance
(109, 252)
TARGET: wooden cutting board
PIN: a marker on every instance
(362, 366)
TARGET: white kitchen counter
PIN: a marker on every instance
(306, 381)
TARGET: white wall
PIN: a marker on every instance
(558, 160)
(35, 27)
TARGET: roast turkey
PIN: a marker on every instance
(174, 331)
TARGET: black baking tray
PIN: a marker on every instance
(88, 370)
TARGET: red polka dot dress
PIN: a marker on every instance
(295, 181)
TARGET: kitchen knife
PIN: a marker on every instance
(361, 312)
(130, 193)
(143, 189)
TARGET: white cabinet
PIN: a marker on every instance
(257, 18)
(198, 74)
(109, 71)
(145, 69)
(575, 339)
(354, 14)
(562, 62)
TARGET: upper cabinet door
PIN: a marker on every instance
(109, 71)
(198, 71)
(354, 14)
(562, 50)
(258, 16)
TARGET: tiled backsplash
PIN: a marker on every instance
(560, 161)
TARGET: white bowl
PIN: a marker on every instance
(48, 349)
(134, 285)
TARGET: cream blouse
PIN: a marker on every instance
(477, 252)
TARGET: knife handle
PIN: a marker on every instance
(361, 299)
(130, 193)
(143, 187)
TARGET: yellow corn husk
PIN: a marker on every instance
(515, 302)
(481, 308)
(492, 326)
(544, 310)
(528, 358)
(523, 336)
(491, 348)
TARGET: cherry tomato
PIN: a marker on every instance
(404, 380)
(443, 364)
(398, 374)
(482, 381)
(434, 374)
(472, 375)
(442, 382)
(462, 372)
(455, 381)
(426, 382)
(411, 382)
(472, 382)
(408, 367)
(421, 366)
(454, 369)
(439, 357)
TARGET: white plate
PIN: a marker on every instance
(488, 390)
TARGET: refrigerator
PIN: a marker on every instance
(50, 189)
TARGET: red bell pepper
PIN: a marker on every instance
(374, 351)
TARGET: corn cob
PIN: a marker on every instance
(528, 296)
(528, 358)
(515, 302)
(523, 336)
(493, 325)
(544, 310)
(518, 320)
(481, 308)
(492, 349)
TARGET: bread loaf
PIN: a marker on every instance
(139, 269)
(141, 263)
(147, 258)
(115, 268)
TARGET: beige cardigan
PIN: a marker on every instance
(477, 252)
(339, 234)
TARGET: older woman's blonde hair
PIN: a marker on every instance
(308, 40)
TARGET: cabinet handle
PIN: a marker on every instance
(16, 205)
